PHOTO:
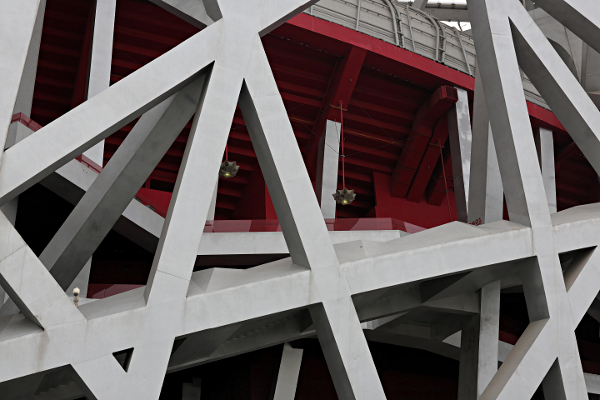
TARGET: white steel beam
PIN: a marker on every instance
(459, 129)
(552, 328)
(352, 368)
(479, 348)
(101, 61)
(469, 354)
(454, 259)
(29, 284)
(64, 139)
(327, 167)
(20, 35)
(544, 141)
(112, 191)
(486, 196)
(17, 24)
(557, 85)
(289, 370)
(23, 103)
(579, 16)
(489, 329)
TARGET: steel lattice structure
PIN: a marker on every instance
(324, 288)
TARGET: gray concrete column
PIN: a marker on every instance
(489, 329)
(327, 167)
(459, 130)
(544, 142)
(486, 195)
(191, 391)
(289, 370)
(101, 60)
(486, 203)
(469, 349)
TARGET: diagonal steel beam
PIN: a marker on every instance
(105, 201)
(335, 318)
(17, 22)
(54, 145)
(497, 26)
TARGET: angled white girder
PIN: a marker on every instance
(316, 281)
(506, 38)
(17, 22)
(101, 54)
(104, 202)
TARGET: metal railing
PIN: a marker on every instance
(412, 29)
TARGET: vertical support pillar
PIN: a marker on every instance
(327, 168)
(486, 194)
(289, 370)
(191, 391)
(101, 50)
(479, 347)
(544, 142)
(489, 329)
(101, 60)
(459, 129)
(469, 349)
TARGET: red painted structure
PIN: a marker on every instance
(317, 64)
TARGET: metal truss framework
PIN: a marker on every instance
(324, 288)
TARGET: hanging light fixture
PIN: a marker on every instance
(343, 196)
(228, 169)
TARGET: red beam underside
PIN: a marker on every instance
(419, 139)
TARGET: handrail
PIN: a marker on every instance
(437, 30)
(462, 46)
(443, 59)
(358, 14)
(450, 52)
(412, 34)
(394, 24)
